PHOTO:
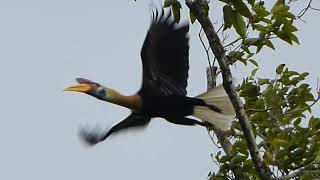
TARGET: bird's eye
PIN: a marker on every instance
(100, 93)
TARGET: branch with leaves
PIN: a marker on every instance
(197, 9)
(277, 139)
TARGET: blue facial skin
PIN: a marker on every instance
(101, 94)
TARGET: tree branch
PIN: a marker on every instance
(221, 136)
(304, 10)
(299, 172)
(294, 174)
(196, 7)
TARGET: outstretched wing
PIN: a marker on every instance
(134, 120)
(165, 56)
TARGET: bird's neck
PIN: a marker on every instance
(133, 102)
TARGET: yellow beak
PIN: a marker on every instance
(81, 88)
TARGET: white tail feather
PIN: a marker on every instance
(218, 97)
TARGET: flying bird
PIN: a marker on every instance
(165, 65)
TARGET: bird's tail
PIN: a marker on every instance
(218, 109)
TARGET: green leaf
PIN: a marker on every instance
(307, 176)
(288, 27)
(251, 2)
(259, 46)
(224, 159)
(242, 8)
(318, 157)
(278, 6)
(238, 159)
(292, 73)
(176, 12)
(235, 54)
(284, 36)
(259, 27)
(249, 90)
(267, 157)
(227, 17)
(294, 38)
(254, 71)
(297, 122)
(314, 123)
(267, 21)
(260, 119)
(177, 4)
(250, 55)
(260, 10)
(290, 15)
(280, 68)
(263, 81)
(303, 75)
(175, 7)
(253, 62)
(240, 146)
(192, 17)
(280, 142)
(167, 3)
(250, 41)
(269, 44)
(239, 24)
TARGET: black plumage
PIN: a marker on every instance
(165, 56)
(165, 62)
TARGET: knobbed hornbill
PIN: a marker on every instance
(165, 64)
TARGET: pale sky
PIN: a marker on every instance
(45, 45)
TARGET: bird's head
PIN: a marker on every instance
(91, 88)
(103, 93)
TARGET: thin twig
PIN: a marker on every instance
(233, 42)
(295, 173)
(212, 139)
(304, 10)
(207, 53)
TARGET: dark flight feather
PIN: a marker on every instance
(165, 65)
(165, 56)
(165, 62)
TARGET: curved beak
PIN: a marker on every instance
(85, 88)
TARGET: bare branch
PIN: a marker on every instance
(220, 28)
(318, 87)
(233, 42)
(207, 53)
(304, 10)
(296, 173)
(212, 138)
(299, 172)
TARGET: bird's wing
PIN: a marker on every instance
(165, 55)
(134, 120)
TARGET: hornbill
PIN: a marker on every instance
(165, 64)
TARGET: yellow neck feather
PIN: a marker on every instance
(133, 102)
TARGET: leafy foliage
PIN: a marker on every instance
(175, 8)
(250, 17)
(279, 111)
